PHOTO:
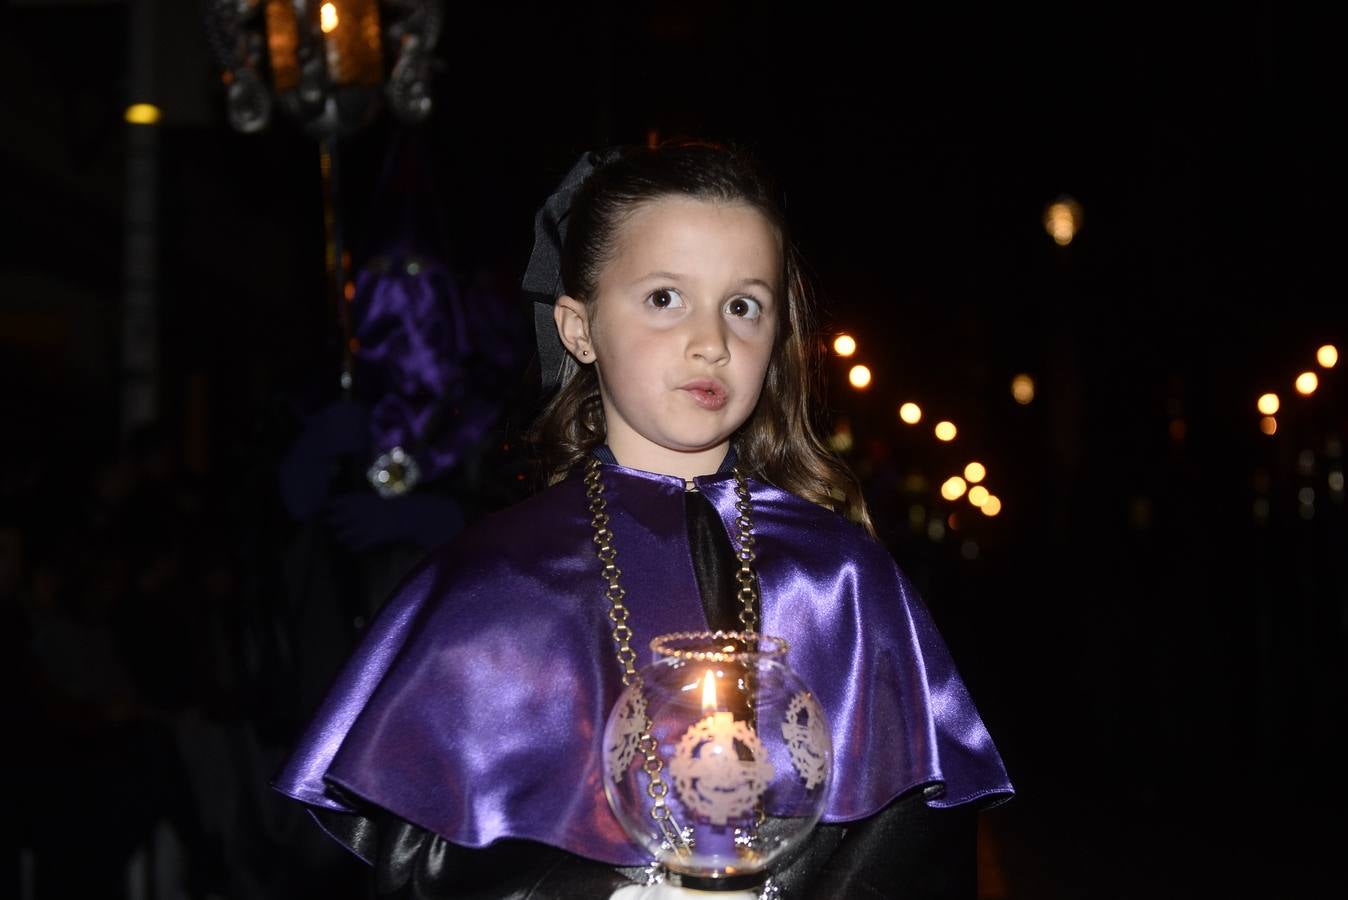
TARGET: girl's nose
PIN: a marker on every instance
(707, 339)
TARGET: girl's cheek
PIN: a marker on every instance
(753, 331)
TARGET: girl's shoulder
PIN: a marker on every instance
(794, 518)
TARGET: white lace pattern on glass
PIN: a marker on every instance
(626, 736)
(712, 779)
(806, 738)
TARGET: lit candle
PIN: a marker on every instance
(328, 20)
(721, 759)
(722, 721)
(717, 788)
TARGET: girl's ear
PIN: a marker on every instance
(573, 327)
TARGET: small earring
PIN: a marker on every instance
(585, 353)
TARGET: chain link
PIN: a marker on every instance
(748, 595)
(657, 788)
(748, 586)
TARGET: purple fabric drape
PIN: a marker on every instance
(476, 704)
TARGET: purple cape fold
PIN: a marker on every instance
(476, 704)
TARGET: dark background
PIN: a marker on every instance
(1154, 626)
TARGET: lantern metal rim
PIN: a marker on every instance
(768, 647)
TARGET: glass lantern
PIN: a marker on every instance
(718, 758)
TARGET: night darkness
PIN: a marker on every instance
(1154, 627)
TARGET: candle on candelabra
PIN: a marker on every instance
(328, 20)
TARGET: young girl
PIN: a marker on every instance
(459, 752)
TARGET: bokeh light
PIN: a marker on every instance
(1022, 389)
(910, 413)
(840, 441)
(992, 506)
(945, 431)
(844, 345)
(978, 495)
(142, 114)
(1268, 404)
(1268, 425)
(1327, 356)
(1307, 382)
(860, 377)
(1062, 220)
(975, 472)
(953, 488)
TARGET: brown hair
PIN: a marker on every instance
(780, 441)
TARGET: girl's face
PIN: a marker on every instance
(681, 329)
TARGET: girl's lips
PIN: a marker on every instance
(706, 393)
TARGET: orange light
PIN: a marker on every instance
(1062, 220)
(910, 413)
(953, 488)
(1327, 356)
(1268, 404)
(327, 17)
(860, 376)
(945, 431)
(978, 495)
(1022, 388)
(1307, 382)
(844, 345)
(991, 506)
(974, 472)
(1268, 425)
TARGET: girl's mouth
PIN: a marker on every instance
(706, 393)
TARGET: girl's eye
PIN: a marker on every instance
(744, 308)
(665, 299)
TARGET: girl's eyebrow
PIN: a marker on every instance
(756, 282)
(674, 276)
(669, 276)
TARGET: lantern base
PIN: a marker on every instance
(668, 891)
(703, 884)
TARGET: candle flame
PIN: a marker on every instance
(709, 694)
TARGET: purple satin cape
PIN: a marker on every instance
(475, 705)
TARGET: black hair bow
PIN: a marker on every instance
(543, 276)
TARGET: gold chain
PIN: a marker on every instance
(657, 789)
(745, 576)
